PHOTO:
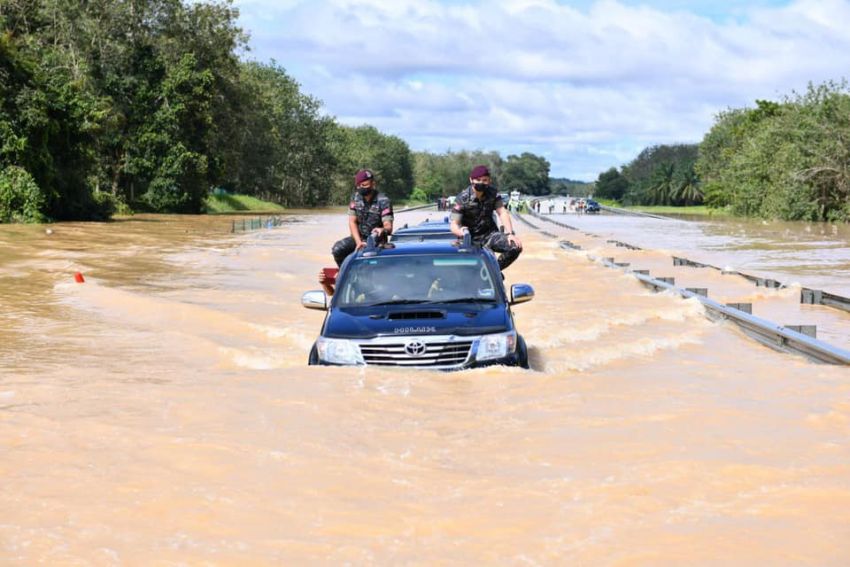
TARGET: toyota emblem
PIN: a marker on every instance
(415, 348)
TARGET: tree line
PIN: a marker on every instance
(787, 160)
(659, 175)
(444, 175)
(147, 105)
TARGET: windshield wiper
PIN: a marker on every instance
(467, 300)
(399, 302)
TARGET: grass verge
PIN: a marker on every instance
(232, 203)
(698, 210)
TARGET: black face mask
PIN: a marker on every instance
(364, 191)
(480, 186)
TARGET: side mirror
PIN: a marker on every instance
(315, 300)
(520, 293)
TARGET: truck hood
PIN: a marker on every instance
(463, 319)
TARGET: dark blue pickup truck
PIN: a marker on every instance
(425, 304)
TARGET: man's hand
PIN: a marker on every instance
(512, 239)
(378, 231)
(360, 245)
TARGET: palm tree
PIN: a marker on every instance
(663, 185)
(688, 190)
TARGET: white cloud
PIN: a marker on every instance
(586, 86)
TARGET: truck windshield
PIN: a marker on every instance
(416, 279)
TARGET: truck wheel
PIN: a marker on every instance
(522, 353)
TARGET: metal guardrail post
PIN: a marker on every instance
(808, 330)
(745, 307)
(787, 339)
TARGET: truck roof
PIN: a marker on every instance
(417, 248)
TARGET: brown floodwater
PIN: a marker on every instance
(163, 413)
(812, 254)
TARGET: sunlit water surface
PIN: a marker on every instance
(815, 255)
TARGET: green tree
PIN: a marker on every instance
(21, 200)
(687, 188)
(663, 184)
(787, 160)
(389, 157)
(46, 130)
(527, 173)
(652, 176)
(447, 174)
(611, 184)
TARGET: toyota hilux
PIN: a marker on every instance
(432, 304)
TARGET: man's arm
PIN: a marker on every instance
(354, 228)
(505, 218)
(386, 218)
(456, 229)
(456, 217)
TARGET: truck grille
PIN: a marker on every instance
(407, 352)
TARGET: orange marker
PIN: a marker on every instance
(78, 277)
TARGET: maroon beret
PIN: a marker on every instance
(479, 171)
(362, 175)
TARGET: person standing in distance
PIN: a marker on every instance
(369, 212)
(473, 212)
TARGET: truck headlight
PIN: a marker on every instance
(338, 351)
(496, 346)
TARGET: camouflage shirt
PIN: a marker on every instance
(370, 215)
(477, 215)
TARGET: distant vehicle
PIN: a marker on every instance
(434, 304)
(591, 206)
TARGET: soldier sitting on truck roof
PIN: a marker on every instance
(473, 212)
(369, 212)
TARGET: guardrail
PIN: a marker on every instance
(796, 339)
(417, 207)
(256, 223)
(808, 296)
(618, 211)
(819, 297)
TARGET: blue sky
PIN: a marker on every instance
(587, 83)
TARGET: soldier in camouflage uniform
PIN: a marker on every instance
(369, 212)
(473, 212)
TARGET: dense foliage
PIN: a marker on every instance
(563, 186)
(444, 175)
(147, 104)
(447, 174)
(659, 175)
(788, 160)
(611, 184)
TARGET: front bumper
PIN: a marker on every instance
(436, 352)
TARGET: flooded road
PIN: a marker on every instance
(162, 412)
(815, 255)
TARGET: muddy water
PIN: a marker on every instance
(815, 255)
(162, 413)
